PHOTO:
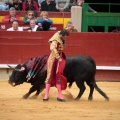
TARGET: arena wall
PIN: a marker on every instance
(18, 47)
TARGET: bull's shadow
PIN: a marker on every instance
(78, 69)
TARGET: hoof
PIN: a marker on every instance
(61, 100)
(107, 99)
(24, 97)
(76, 99)
(90, 98)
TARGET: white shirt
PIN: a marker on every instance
(19, 29)
(35, 28)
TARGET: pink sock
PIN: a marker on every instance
(47, 91)
(59, 91)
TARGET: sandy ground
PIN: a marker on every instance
(13, 107)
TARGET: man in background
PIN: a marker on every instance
(12, 16)
(15, 26)
(33, 27)
(48, 5)
(71, 27)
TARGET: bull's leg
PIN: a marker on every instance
(39, 90)
(36, 94)
(81, 86)
(32, 89)
(91, 90)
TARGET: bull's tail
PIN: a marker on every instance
(101, 92)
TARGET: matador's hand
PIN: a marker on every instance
(60, 59)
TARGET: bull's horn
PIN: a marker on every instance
(20, 70)
(10, 66)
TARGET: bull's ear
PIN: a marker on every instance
(10, 66)
(21, 69)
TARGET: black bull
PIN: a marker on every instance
(78, 69)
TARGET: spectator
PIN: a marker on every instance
(44, 20)
(28, 17)
(81, 2)
(17, 4)
(15, 26)
(4, 5)
(12, 16)
(30, 5)
(48, 5)
(62, 5)
(71, 27)
(39, 3)
(72, 3)
(34, 27)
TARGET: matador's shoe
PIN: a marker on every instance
(45, 100)
(61, 100)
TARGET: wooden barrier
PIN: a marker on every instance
(103, 47)
(18, 47)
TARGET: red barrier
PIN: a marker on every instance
(17, 47)
(108, 75)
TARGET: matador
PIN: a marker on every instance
(55, 64)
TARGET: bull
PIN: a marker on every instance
(79, 69)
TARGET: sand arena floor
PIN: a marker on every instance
(13, 107)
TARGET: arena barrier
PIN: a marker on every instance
(18, 47)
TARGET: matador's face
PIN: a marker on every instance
(63, 37)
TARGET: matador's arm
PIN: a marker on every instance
(53, 48)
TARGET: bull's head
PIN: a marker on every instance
(18, 75)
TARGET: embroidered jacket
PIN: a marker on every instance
(56, 45)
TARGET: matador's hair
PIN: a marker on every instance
(64, 32)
